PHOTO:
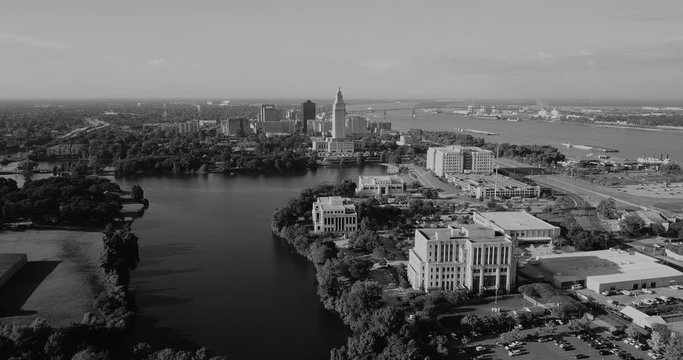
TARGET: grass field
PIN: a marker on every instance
(60, 280)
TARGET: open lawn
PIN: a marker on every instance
(60, 280)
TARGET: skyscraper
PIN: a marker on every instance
(307, 113)
(339, 117)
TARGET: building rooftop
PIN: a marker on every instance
(334, 203)
(607, 265)
(516, 220)
(381, 180)
(473, 232)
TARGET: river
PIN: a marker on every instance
(212, 274)
(631, 143)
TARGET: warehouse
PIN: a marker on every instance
(603, 270)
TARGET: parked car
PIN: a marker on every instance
(577, 287)
(647, 291)
(514, 352)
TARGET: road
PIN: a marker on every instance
(427, 179)
(579, 188)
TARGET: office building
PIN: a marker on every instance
(319, 127)
(208, 124)
(603, 270)
(457, 159)
(379, 126)
(284, 127)
(493, 186)
(518, 226)
(269, 113)
(380, 185)
(356, 124)
(339, 116)
(307, 113)
(188, 127)
(235, 127)
(470, 257)
(334, 214)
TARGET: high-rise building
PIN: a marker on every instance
(356, 125)
(339, 117)
(270, 113)
(307, 113)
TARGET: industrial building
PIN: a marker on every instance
(470, 257)
(493, 186)
(518, 226)
(380, 185)
(457, 159)
(603, 270)
(334, 214)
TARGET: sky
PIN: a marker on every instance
(405, 49)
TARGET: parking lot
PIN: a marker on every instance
(624, 300)
(533, 349)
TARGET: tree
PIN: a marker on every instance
(632, 331)
(321, 251)
(632, 225)
(547, 330)
(607, 208)
(674, 349)
(510, 336)
(471, 320)
(137, 193)
(657, 342)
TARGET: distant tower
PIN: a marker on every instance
(307, 113)
(165, 113)
(339, 116)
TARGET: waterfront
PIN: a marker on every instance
(631, 143)
(212, 274)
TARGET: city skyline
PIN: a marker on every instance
(406, 50)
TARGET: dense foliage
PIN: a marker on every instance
(61, 200)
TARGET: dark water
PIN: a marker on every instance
(212, 274)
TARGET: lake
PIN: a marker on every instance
(212, 274)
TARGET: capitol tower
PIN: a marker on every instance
(339, 116)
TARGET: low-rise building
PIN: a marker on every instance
(334, 214)
(235, 126)
(604, 270)
(65, 150)
(379, 126)
(332, 146)
(380, 185)
(470, 257)
(406, 140)
(287, 127)
(518, 226)
(492, 187)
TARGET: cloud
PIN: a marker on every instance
(155, 62)
(380, 64)
(34, 42)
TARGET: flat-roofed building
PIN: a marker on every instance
(269, 113)
(457, 159)
(603, 270)
(491, 187)
(319, 127)
(235, 126)
(332, 146)
(66, 150)
(518, 226)
(469, 257)
(380, 185)
(286, 127)
(334, 214)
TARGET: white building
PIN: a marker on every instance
(518, 226)
(332, 146)
(339, 117)
(470, 257)
(380, 185)
(456, 159)
(334, 214)
(603, 270)
(405, 140)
